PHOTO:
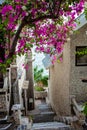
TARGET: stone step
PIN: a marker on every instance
(3, 120)
(44, 117)
(43, 113)
(50, 126)
(44, 107)
(1, 84)
(6, 126)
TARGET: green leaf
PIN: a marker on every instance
(32, 40)
(37, 88)
(85, 109)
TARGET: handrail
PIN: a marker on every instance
(78, 107)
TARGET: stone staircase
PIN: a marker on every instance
(45, 114)
(51, 126)
(4, 124)
(43, 119)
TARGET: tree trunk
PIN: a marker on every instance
(2, 58)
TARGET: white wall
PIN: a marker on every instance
(20, 61)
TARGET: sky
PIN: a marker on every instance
(38, 61)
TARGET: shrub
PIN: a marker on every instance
(39, 77)
(37, 88)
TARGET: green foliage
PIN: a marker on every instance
(37, 88)
(39, 77)
(85, 10)
(2, 32)
(8, 1)
(44, 80)
(31, 4)
(38, 74)
(85, 13)
(3, 68)
(85, 109)
(6, 64)
(82, 52)
(30, 118)
(72, 1)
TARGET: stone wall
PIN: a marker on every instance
(3, 102)
(77, 87)
(59, 84)
(66, 78)
(20, 62)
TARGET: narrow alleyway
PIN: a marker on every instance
(43, 118)
(42, 113)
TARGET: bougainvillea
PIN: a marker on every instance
(45, 24)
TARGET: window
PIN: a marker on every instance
(81, 55)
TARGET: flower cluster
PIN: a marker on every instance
(49, 24)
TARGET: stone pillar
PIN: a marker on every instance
(30, 77)
(14, 81)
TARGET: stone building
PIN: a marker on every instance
(66, 77)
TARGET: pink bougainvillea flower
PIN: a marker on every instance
(6, 9)
(43, 31)
(26, 67)
(17, 0)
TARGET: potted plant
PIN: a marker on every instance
(41, 81)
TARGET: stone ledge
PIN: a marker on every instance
(40, 94)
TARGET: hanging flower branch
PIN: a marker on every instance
(43, 23)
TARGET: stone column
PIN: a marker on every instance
(14, 81)
(30, 77)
